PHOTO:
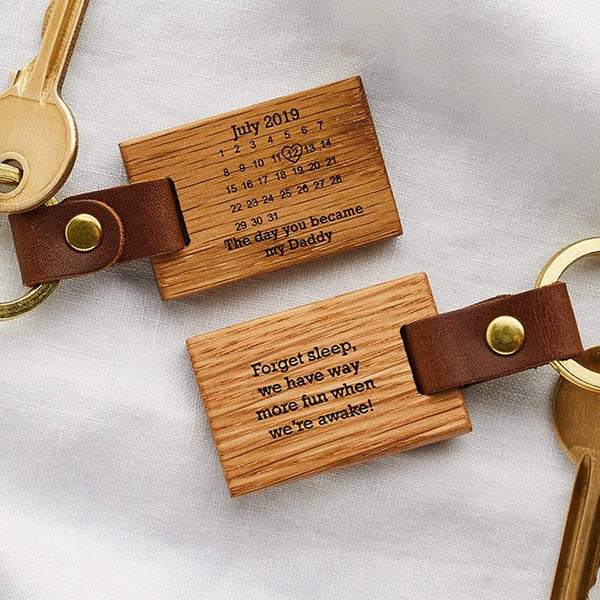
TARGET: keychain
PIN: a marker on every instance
(230, 197)
(372, 372)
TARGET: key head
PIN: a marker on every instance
(38, 130)
(42, 138)
(577, 412)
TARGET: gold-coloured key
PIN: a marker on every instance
(38, 132)
(577, 423)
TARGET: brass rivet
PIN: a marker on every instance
(83, 233)
(505, 335)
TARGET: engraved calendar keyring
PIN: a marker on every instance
(10, 175)
(556, 266)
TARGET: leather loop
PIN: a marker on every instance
(450, 350)
(138, 221)
(42, 249)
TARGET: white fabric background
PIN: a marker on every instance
(110, 487)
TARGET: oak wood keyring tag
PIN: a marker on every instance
(319, 387)
(270, 186)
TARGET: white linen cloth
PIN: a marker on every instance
(488, 115)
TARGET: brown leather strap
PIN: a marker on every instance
(450, 350)
(138, 221)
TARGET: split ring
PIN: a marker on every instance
(556, 266)
(37, 294)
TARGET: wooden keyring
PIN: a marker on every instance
(36, 295)
(556, 266)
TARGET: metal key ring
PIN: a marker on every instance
(556, 266)
(36, 295)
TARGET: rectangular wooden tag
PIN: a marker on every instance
(270, 186)
(319, 387)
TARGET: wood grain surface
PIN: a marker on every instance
(260, 385)
(270, 186)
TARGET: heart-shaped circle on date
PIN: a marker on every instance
(292, 153)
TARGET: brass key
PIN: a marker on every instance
(577, 423)
(38, 130)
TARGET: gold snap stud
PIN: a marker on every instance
(505, 335)
(83, 233)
